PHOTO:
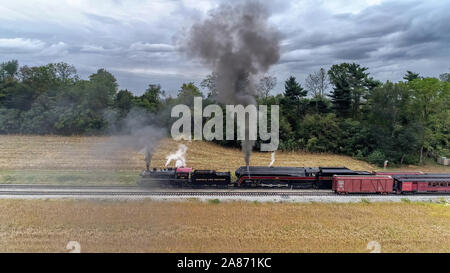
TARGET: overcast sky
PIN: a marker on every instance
(136, 40)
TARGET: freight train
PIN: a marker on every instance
(340, 179)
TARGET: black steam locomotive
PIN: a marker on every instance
(184, 177)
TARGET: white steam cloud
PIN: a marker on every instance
(272, 159)
(179, 156)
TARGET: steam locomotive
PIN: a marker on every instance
(341, 179)
(184, 177)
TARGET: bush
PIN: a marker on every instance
(313, 146)
(360, 155)
(377, 157)
(412, 159)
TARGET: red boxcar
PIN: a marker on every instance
(363, 184)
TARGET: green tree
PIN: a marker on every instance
(124, 102)
(445, 77)
(391, 121)
(320, 132)
(318, 105)
(40, 118)
(18, 96)
(187, 93)
(102, 90)
(431, 103)
(293, 91)
(39, 78)
(355, 138)
(341, 95)
(151, 99)
(350, 87)
(291, 102)
(410, 76)
(8, 70)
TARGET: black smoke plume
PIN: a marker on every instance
(239, 45)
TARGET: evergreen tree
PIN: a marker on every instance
(351, 84)
(410, 76)
(293, 93)
(293, 90)
(341, 94)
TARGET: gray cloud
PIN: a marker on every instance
(136, 40)
(102, 19)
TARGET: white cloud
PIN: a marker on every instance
(91, 48)
(59, 48)
(140, 46)
(32, 46)
(20, 45)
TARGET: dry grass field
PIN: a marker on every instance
(87, 153)
(101, 160)
(18, 152)
(193, 226)
(91, 160)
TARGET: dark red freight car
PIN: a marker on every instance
(344, 184)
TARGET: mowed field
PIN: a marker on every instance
(194, 226)
(105, 160)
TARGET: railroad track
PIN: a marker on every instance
(163, 193)
(68, 190)
(44, 186)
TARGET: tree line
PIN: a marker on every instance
(341, 110)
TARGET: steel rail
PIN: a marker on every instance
(176, 193)
(212, 194)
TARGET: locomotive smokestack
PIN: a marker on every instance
(147, 157)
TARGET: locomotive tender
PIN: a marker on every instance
(340, 179)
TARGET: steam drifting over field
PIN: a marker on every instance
(140, 131)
